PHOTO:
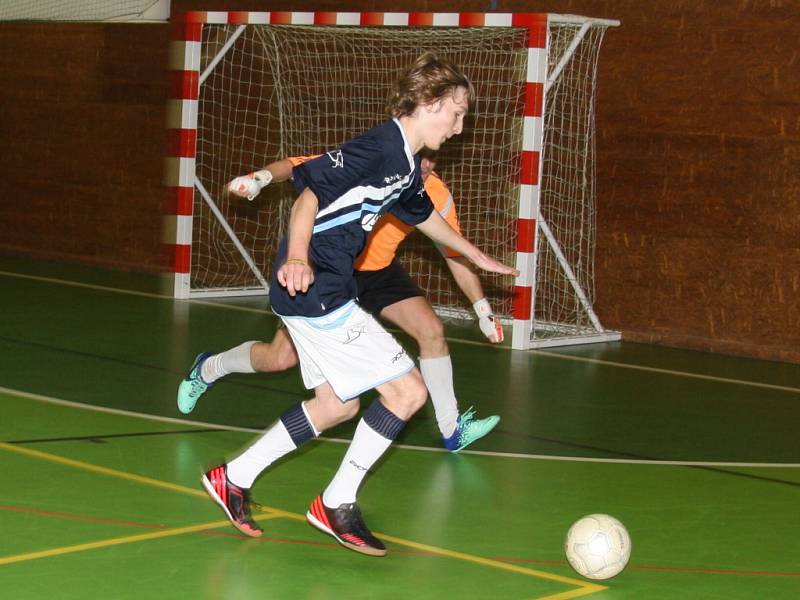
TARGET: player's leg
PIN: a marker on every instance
(229, 484)
(391, 293)
(357, 354)
(336, 510)
(249, 357)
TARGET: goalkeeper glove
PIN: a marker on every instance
(249, 186)
(490, 325)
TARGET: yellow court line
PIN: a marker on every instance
(130, 539)
(496, 564)
(584, 588)
(102, 470)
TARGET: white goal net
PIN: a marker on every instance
(271, 91)
(83, 10)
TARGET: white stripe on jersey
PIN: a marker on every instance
(357, 195)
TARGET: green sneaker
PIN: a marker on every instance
(469, 429)
(191, 388)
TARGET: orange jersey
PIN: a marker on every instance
(299, 160)
(390, 231)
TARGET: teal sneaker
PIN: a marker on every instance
(469, 429)
(191, 388)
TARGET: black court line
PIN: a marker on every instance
(619, 454)
(128, 363)
(100, 439)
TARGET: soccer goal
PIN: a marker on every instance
(250, 88)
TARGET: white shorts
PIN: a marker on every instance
(347, 348)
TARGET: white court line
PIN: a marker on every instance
(144, 416)
(768, 386)
(756, 384)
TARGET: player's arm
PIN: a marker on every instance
(470, 284)
(436, 228)
(296, 274)
(250, 185)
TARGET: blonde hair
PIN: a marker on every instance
(427, 79)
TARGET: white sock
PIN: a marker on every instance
(366, 448)
(235, 360)
(271, 446)
(438, 376)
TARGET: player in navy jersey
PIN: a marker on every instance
(385, 290)
(343, 350)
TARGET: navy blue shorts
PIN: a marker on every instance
(382, 288)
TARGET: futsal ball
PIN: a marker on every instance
(598, 546)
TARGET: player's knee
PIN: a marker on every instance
(350, 408)
(416, 394)
(339, 412)
(269, 358)
(430, 335)
(285, 359)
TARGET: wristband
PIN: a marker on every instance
(263, 177)
(296, 261)
(482, 308)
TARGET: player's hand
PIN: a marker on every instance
(250, 186)
(489, 324)
(487, 263)
(295, 275)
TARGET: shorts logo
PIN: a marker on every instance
(336, 158)
(354, 333)
(398, 356)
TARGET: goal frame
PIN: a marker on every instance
(532, 228)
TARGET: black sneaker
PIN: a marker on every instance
(346, 525)
(235, 501)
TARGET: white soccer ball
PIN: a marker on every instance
(598, 546)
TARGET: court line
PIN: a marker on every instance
(550, 354)
(128, 539)
(546, 457)
(687, 374)
(584, 588)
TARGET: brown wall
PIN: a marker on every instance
(82, 141)
(698, 156)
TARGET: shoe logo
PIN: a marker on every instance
(354, 333)
(337, 159)
(398, 356)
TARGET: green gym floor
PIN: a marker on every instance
(698, 454)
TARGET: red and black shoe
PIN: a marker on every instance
(346, 525)
(235, 501)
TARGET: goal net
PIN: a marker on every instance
(84, 10)
(269, 91)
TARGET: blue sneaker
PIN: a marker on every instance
(191, 388)
(469, 429)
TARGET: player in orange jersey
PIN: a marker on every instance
(384, 289)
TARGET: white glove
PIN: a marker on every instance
(249, 186)
(490, 325)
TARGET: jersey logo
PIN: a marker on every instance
(368, 221)
(337, 159)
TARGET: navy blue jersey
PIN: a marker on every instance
(355, 185)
